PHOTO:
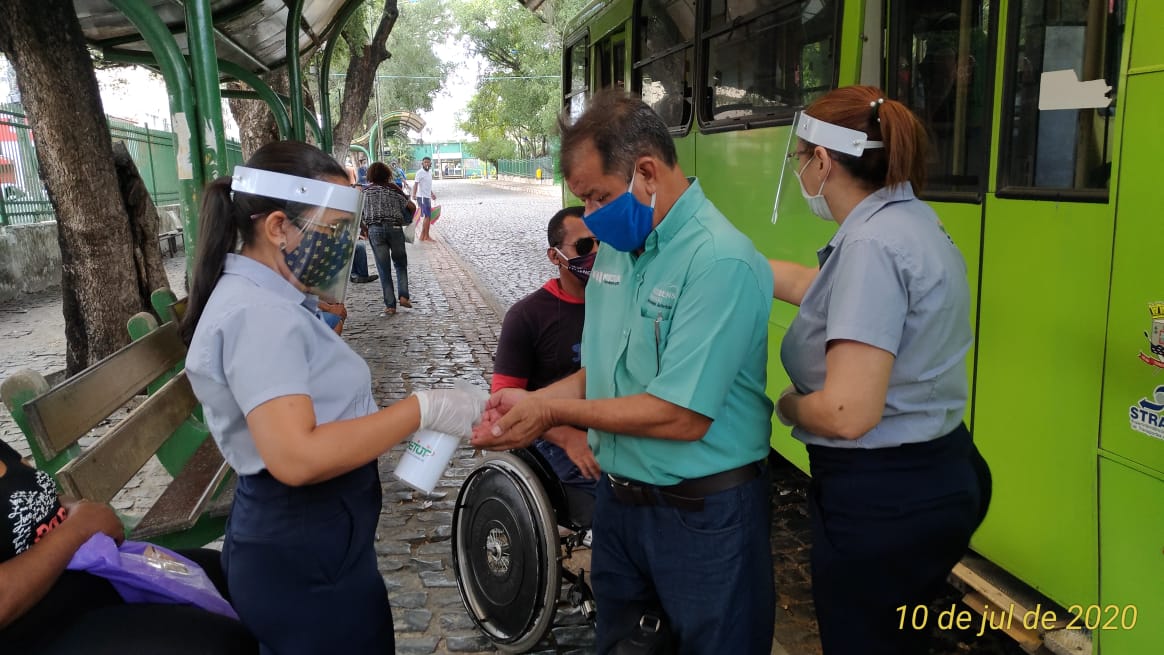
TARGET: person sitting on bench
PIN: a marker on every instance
(45, 608)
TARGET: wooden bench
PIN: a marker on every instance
(191, 510)
(169, 242)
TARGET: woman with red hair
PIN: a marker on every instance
(877, 358)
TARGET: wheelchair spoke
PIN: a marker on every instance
(497, 551)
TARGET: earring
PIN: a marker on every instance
(282, 246)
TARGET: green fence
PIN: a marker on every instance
(22, 194)
(527, 167)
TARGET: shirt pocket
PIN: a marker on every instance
(644, 350)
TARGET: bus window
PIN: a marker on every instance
(1062, 150)
(765, 58)
(666, 34)
(611, 55)
(941, 69)
(577, 72)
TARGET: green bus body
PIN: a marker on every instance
(1066, 286)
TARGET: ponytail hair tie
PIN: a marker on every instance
(876, 106)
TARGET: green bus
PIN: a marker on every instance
(1045, 184)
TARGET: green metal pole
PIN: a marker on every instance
(362, 150)
(294, 81)
(204, 69)
(281, 120)
(168, 57)
(326, 144)
(264, 93)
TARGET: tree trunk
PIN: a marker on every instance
(362, 67)
(99, 283)
(149, 271)
(256, 123)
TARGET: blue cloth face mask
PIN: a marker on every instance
(320, 257)
(623, 223)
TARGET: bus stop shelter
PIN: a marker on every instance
(197, 45)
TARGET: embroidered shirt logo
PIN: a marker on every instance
(602, 277)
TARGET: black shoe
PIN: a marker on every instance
(361, 279)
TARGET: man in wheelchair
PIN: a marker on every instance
(541, 342)
(507, 541)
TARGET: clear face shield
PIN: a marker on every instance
(806, 130)
(326, 219)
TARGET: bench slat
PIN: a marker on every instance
(67, 412)
(102, 470)
(188, 496)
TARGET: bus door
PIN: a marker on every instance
(1045, 280)
(939, 61)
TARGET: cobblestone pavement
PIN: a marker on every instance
(490, 251)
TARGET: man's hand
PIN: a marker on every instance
(334, 308)
(517, 427)
(94, 517)
(505, 399)
(579, 452)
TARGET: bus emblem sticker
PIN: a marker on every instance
(1147, 416)
(1155, 336)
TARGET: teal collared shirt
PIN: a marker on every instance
(686, 321)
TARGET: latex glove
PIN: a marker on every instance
(789, 390)
(451, 411)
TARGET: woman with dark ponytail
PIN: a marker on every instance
(290, 404)
(877, 358)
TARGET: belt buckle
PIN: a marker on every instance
(614, 479)
(629, 492)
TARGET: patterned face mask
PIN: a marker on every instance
(321, 255)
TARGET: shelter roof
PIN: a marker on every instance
(250, 33)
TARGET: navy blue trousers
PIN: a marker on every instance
(709, 571)
(888, 525)
(301, 565)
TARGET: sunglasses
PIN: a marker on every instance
(584, 245)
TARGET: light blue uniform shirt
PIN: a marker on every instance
(892, 278)
(686, 321)
(260, 338)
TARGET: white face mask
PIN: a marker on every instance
(817, 204)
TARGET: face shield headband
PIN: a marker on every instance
(834, 137)
(328, 226)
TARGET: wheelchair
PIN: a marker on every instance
(508, 550)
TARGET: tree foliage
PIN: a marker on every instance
(413, 72)
(519, 95)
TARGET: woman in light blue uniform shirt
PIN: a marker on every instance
(877, 357)
(290, 404)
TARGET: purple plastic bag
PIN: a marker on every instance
(145, 573)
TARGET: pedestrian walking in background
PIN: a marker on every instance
(386, 212)
(423, 195)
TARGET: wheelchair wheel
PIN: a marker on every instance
(505, 552)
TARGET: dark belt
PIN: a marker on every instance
(687, 495)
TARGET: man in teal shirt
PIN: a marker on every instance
(674, 355)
